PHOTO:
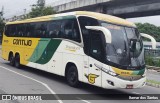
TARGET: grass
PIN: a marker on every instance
(153, 82)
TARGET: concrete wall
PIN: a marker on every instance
(122, 8)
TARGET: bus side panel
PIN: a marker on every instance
(72, 53)
(19, 45)
(5, 51)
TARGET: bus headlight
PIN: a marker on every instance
(109, 72)
(112, 73)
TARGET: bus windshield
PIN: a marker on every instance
(126, 48)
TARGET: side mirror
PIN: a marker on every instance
(133, 44)
(105, 31)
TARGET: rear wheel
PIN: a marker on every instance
(11, 60)
(72, 76)
(17, 61)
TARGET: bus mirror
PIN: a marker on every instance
(105, 31)
(133, 45)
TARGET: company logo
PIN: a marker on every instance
(72, 48)
(91, 78)
(22, 42)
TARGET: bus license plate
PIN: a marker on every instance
(129, 86)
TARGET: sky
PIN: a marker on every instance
(150, 19)
(16, 7)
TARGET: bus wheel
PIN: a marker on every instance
(17, 61)
(11, 60)
(72, 76)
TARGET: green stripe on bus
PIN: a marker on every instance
(139, 72)
(49, 51)
(42, 44)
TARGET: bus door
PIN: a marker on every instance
(95, 52)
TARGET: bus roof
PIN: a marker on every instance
(99, 16)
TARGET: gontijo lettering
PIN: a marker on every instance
(22, 42)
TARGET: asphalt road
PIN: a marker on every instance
(31, 81)
(153, 75)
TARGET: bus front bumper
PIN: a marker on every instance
(115, 82)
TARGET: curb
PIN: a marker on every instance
(153, 85)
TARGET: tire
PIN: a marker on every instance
(72, 76)
(17, 61)
(11, 60)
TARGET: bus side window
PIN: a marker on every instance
(28, 33)
(96, 45)
(40, 29)
(71, 30)
(7, 30)
(20, 30)
(86, 21)
(32, 27)
(53, 29)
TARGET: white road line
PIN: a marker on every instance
(44, 84)
(135, 93)
(83, 100)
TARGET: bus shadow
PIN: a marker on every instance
(93, 92)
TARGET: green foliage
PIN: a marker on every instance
(149, 61)
(1, 25)
(152, 61)
(41, 11)
(149, 29)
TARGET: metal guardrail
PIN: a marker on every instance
(152, 52)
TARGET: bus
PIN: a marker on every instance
(82, 46)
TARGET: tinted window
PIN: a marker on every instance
(29, 29)
(86, 21)
(40, 29)
(67, 29)
(96, 46)
(70, 30)
(20, 30)
(54, 29)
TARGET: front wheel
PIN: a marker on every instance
(72, 76)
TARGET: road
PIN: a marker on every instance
(31, 81)
(152, 75)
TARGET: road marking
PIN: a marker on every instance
(135, 93)
(44, 84)
(83, 100)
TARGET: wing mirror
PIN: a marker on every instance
(133, 43)
(105, 31)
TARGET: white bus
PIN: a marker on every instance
(94, 48)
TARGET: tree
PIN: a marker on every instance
(1, 21)
(39, 9)
(1, 24)
(149, 29)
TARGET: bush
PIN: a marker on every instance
(151, 61)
